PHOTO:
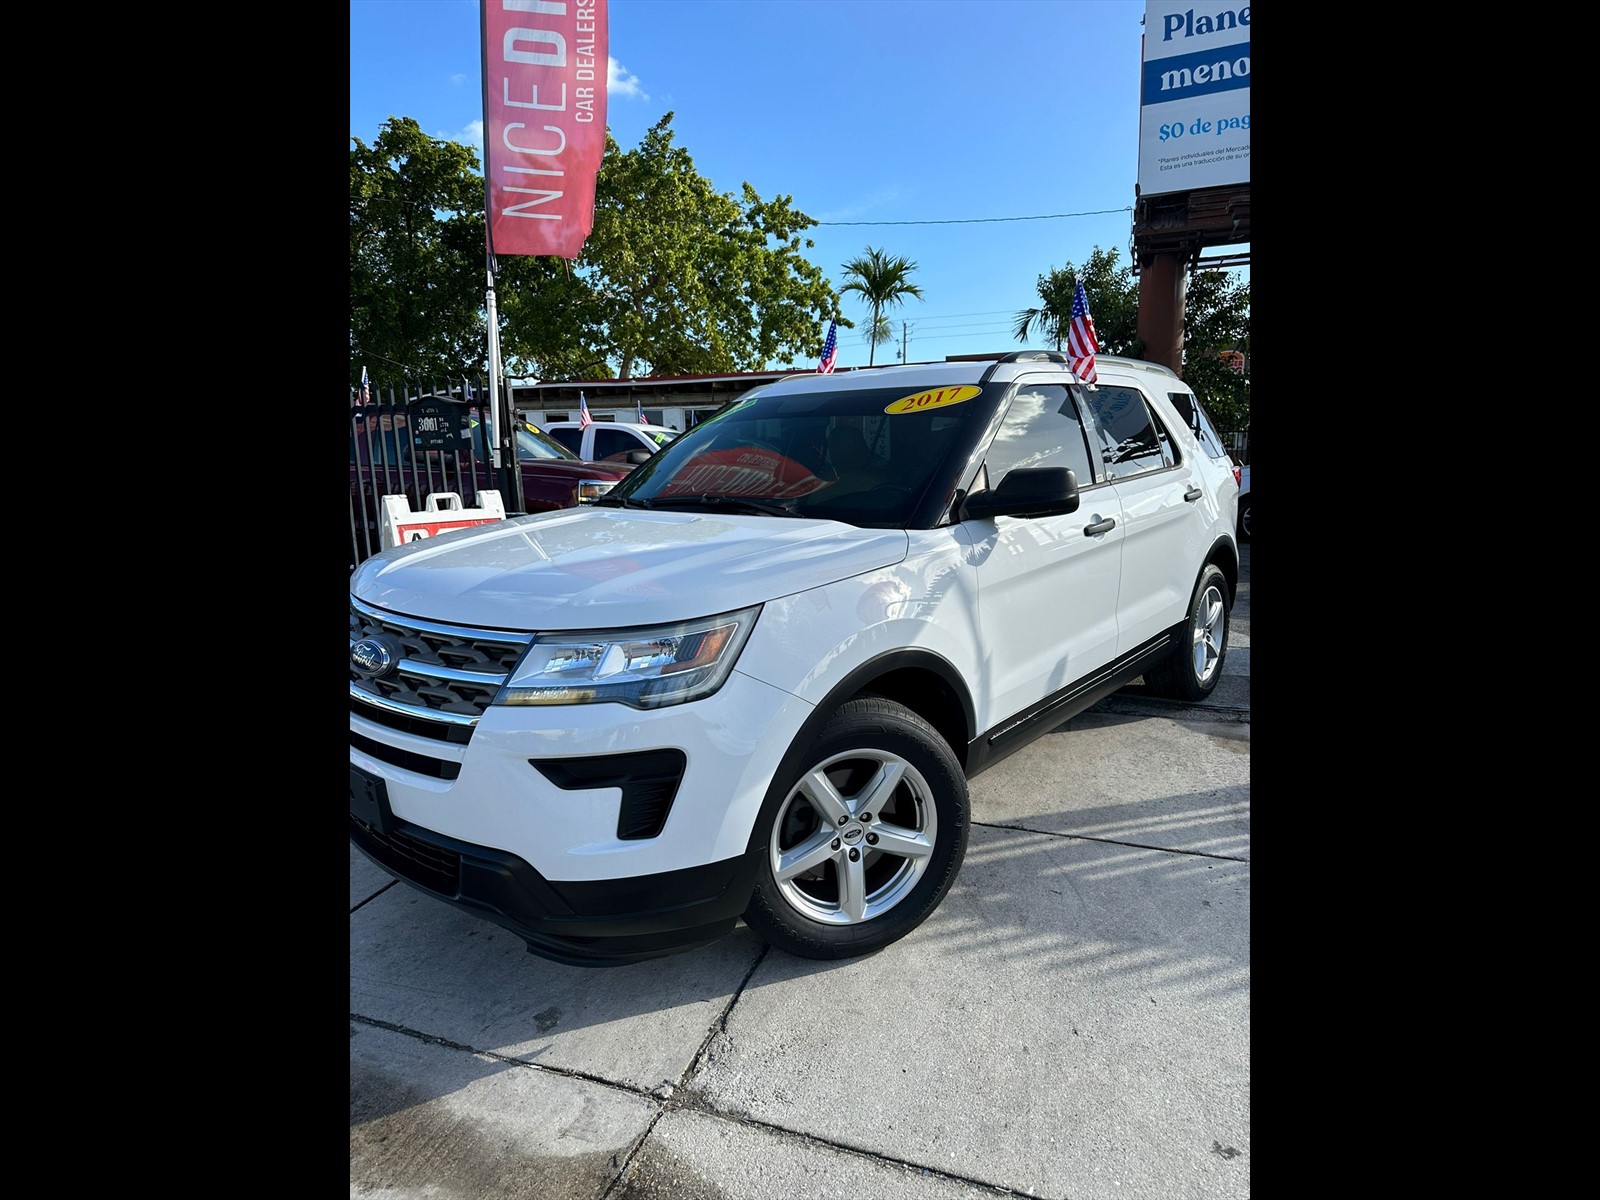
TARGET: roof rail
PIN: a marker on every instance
(1137, 364)
(1005, 356)
(1053, 356)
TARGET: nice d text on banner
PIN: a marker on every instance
(544, 122)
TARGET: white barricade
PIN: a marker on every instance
(440, 513)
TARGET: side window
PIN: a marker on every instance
(612, 441)
(570, 438)
(1042, 429)
(1131, 438)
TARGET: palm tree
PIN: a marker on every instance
(1054, 316)
(881, 281)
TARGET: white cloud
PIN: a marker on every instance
(621, 82)
(471, 134)
(865, 206)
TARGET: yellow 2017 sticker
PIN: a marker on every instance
(936, 398)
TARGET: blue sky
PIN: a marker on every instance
(966, 112)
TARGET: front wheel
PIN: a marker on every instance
(1244, 519)
(1192, 672)
(864, 839)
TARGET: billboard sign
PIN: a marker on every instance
(1194, 96)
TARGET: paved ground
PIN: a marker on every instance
(1074, 1021)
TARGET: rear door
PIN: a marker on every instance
(1165, 509)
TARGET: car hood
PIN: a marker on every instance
(594, 567)
(577, 468)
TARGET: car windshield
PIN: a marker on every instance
(531, 443)
(864, 456)
(534, 443)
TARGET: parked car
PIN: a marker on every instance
(604, 441)
(1244, 504)
(754, 678)
(441, 447)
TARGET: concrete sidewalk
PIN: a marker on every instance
(1073, 1021)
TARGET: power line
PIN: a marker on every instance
(1098, 212)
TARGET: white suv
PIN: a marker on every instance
(754, 679)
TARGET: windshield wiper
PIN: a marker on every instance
(622, 502)
(711, 500)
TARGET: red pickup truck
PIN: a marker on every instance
(440, 446)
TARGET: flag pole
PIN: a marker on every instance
(497, 412)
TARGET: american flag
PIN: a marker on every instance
(584, 419)
(365, 394)
(639, 406)
(1081, 340)
(830, 350)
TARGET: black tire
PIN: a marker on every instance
(892, 778)
(1191, 673)
(1244, 519)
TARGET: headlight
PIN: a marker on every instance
(643, 668)
(591, 490)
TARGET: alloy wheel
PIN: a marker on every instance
(853, 837)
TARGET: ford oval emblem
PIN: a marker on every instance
(375, 657)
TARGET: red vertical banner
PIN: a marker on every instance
(544, 122)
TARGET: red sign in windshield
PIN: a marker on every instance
(745, 471)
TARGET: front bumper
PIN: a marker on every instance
(586, 923)
(597, 833)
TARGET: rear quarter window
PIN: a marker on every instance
(1200, 423)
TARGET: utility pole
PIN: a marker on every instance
(905, 328)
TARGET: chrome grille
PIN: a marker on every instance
(447, 673)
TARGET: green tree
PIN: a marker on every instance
(686, 280)
(882, 281)
(674, 277)
(1216, 320)
(1054, 313)
(1113, 296)
(416, 255)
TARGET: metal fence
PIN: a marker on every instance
(412, 440)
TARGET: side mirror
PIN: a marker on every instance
(1028, 492)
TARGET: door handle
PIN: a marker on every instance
(1099, 527)
(1193, 493)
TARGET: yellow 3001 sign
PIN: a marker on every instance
(934, 398)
